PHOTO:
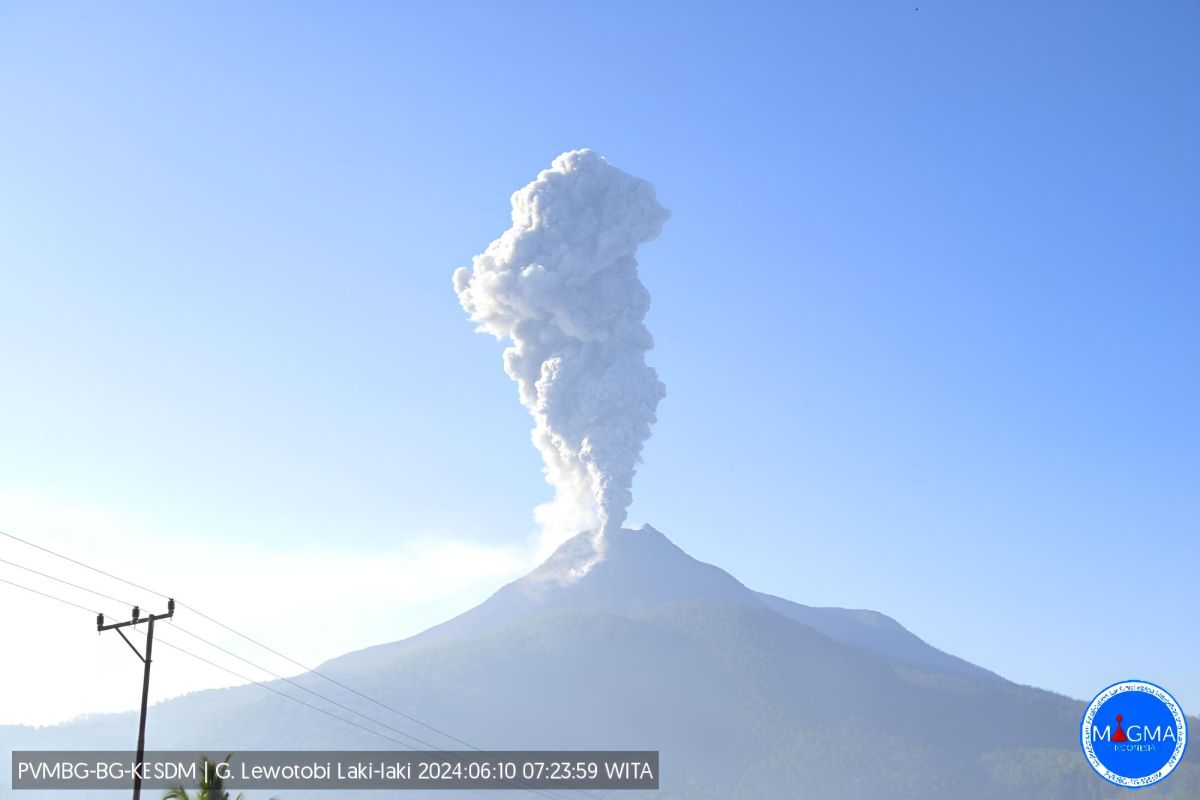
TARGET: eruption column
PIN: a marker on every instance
(562, 286)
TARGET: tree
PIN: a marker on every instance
(212, 786)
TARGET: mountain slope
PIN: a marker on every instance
(635, 570)
(643, 569)
(875, 632)
(639, 646)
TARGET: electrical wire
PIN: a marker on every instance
(287, 680)
(270, 688)
(68, 583)
(516, 784)
(80, 563)
(50, 596)
(350, 689)
(257, 666)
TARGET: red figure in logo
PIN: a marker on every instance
(1119, 736)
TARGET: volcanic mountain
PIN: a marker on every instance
(636, 645)
(638, 571)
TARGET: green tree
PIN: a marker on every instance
(212, 786)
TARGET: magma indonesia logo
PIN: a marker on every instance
(1134, 734)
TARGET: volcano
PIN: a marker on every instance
(633, 644)
(640, 570)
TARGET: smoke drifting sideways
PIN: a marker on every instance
(562, 286)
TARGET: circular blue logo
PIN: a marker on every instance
(1134, 734)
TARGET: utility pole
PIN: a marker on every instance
(116, 626)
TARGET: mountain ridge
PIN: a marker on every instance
(627, 642)
(624, 572)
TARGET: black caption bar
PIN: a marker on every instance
(340, 769)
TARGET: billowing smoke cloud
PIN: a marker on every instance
(562, 284)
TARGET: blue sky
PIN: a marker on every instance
(926, 310)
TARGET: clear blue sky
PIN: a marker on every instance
(927, 310)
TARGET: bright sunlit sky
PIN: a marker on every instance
(927, 311)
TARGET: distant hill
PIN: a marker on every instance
(640, 646)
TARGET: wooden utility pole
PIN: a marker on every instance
(116, 626)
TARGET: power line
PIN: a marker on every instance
(277, 676)
(220, 624)
(235, 632)
(352, 690)
(50, 596)
(418, 740)
(213, 645)
(68, 583)
(334, 681)
(270, 688)
(338, 683)
(539, 792)
(80, 563)
(231, 630)
(534, 790)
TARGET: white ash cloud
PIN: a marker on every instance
(562, 286)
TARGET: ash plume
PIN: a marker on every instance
(562, 286)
